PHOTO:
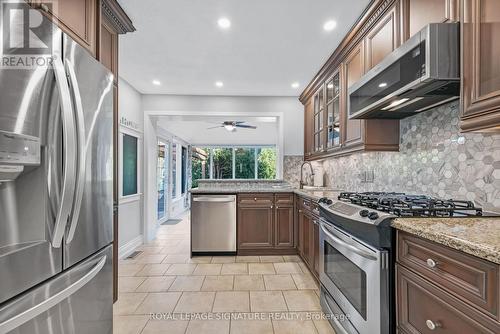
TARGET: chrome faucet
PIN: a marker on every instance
(302, 183)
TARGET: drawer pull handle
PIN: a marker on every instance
(432, 325)
(431, 263)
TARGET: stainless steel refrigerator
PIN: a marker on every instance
(56, 183)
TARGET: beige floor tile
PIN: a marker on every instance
(207, 269)
(223, 259)
(156, 284)
(129, 284)
(176, 258)
(292, 258)
(267, 301)
(155, 269)
(160, 302)
(208, 327)
(304, 281)
(150, 249)
(271, 258)
(200, 259)
(165, 327)
(302, 300)
(304, 268)
(127, 303)
(129, 269)
(248, 282)
(194, 302)
(234, 269)
(279, 282)
(181, 269)
(246, 326)
(150, 258)
(323, 326)
(187, 283)
(287, 268)
(260, 268)
(218, 283)
(231, 301)
(129, 324)
(294, 327)
(247, 259)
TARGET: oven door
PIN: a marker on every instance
(356, 276)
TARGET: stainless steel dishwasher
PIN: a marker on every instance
(213, 224)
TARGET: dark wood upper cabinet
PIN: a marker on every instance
(78, 18)
(328, 131)
(417, 14)
(480, 86)
(383, 38)
(108, 48)
(354, 68)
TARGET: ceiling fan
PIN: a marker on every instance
(232, 125)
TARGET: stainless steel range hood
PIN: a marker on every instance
(422, 73)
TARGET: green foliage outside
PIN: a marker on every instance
(244, 164)
(267, 163)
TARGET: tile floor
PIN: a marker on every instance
(163, 290)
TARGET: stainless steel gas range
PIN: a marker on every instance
(356, 257)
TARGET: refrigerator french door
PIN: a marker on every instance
(55, 188)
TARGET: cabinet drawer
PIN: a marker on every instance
(283, 199)
(469, 278)
(421, 306)
(256, 199)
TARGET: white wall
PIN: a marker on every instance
(130, 214)
(290, 107)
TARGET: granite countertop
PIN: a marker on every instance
(311, 194)
(478, 236)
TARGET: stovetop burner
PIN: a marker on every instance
(405, 205)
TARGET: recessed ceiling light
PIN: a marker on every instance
(295, 85)
(224, 23)
(156, 82)
(383, 84)
(219, 84)
(329, 25)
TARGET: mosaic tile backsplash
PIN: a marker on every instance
(434, 159)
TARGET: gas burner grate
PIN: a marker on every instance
(404, 205)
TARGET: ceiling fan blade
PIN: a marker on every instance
(239, 122)
(246, 126)
(215, 127)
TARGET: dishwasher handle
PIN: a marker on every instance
(226, 199)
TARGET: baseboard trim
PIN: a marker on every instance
(129, 247)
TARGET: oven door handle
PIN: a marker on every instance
(351, 247)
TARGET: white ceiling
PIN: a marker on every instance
(194, 130)
(271, 43)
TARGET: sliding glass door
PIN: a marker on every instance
(162, 179)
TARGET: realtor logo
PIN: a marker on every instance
(26, 36)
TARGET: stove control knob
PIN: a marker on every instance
(364, 213)
(373, 215)
(329, 202)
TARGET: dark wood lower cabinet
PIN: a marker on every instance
(283, 226)
(266, 224)
(255, 227)
(442, 290)
(308, 235)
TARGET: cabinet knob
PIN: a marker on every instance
(277, 207)
(300, 211)
(431, 263)
(255, 198)
(432, 325)
(271, 206)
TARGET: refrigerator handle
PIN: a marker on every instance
(81, 151)
(69, 153)
(27, 315)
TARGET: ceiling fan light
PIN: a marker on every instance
(229, 127)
